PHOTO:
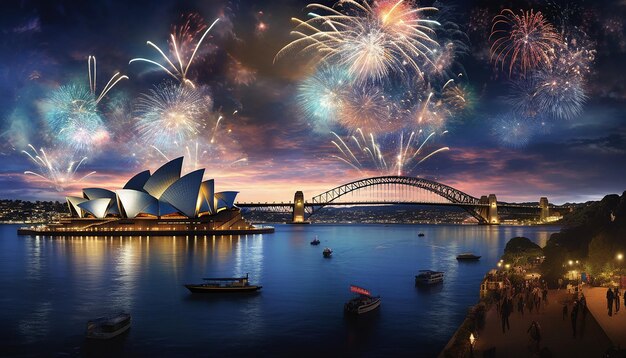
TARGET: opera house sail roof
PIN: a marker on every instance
(159, 194)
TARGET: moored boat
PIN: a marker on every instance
(421, 234)
(428, 277)
(467, 257)
(222, 285)
(315, 241)
(108, 327)
(327, 252)
(363, 303)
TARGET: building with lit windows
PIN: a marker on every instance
(163, 202)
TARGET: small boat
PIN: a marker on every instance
(327, 252)
(315, 241)
(108, 327)
(421, 234)
(229, 284)
(428, 277)
(363, 303)
(467, 257)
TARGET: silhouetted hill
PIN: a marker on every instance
(592, 234)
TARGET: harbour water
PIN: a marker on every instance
(52, 286)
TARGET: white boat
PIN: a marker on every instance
(428, 277)
(327, 252)
(108, 327)
(363, 303)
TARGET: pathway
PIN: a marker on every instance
(614, 326)
(556, 333)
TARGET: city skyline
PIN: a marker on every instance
(265, 145)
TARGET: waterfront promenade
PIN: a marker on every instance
(556, 332)
(614, 326)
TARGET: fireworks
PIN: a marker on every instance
(59, 171)
(512, 131)
(180, 41)
(239, 73)
(72, 113)
(371, 42)
(365, 152)
(458, 97)
(525, 41)
(560, 94)
(172, 114)
(367, 108)
(322, 94)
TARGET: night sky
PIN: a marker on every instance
(265, 145)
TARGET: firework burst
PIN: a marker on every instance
(57, 171)
(172, 114)
(181, 41)
(512, 131)
(321, 95)
(525, 41)
(400, 154)
(371, 42)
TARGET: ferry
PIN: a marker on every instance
(428, 277)
(468, 257)
(108, 327)
(327, 252)
(222, 285)
(363, 303)
(315, 241)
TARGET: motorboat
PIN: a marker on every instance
(421, 234)
(315, 241)
(108, 327)
(362, 303)
(428, 277)
(223, 285)
(467, 257)
(327, 252)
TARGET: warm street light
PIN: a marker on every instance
(507, 266)
(571, 262)
(472, 340)
(619, 256)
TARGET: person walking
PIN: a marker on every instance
(564, 311)
(505, 310)
(535, 334)
(617, 299)
(520, 305)
(574, 317)
(609, 300)
(544, 296)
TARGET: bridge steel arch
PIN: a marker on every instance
(455, 196)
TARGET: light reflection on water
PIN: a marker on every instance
(57, 284)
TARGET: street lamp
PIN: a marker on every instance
(472, 339)
(570, 262)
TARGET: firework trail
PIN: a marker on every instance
(172, 114)
(525, 41)
(56, 171)
(371, 42)
(179, 66)
(364, 152)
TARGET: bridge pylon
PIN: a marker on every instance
(298, 209)
(545, 209)
(489, 213)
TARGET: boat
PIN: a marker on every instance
(315, 241)
(327, 252)
(467, 257)
(421, 234)
(108, 327)
(428, 277)
(362, 303)
(222, 285)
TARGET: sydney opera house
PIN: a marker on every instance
(161, 203)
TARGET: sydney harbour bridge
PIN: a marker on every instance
(400, 190)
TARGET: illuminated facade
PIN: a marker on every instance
(164, 193)
(154, 204)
